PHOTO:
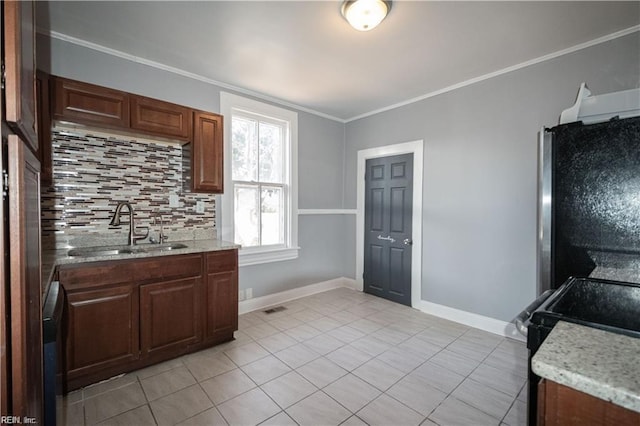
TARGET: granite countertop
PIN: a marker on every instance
(597, 362)
(53, 258)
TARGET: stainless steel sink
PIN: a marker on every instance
(99, 251)
(163, 247)
(115, 250)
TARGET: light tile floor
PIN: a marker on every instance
(338, 357)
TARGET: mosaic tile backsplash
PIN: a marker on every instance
(91, 174)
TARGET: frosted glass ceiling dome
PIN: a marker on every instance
(365, 15)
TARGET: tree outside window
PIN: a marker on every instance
(260, 180)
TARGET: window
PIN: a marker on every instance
(259, 205)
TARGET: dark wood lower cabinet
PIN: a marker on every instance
(561, 405)
(102, 328)
(128, 314)
(222, 294)
(170, 316)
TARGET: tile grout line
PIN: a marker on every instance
(396, 382)
(355, 317)
(468, 377)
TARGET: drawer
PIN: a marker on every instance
(95, 274)
(220, 261)
(130, 270)
(168, 267)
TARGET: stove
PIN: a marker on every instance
(613, 306)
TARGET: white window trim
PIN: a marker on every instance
(258, 255)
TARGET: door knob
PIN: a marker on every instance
(408, 242)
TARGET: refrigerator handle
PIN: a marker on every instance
(543, 255)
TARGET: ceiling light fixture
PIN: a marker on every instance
(365, 15)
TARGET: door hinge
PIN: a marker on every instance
(5, 184)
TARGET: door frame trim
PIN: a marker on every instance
(416, 148)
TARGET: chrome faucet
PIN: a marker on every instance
(157, 217)
(133, 236)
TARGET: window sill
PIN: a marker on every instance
(248, 257)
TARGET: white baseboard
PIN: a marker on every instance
(481, 322)
(295, 293)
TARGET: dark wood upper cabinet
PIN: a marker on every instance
(205, 154)
(21, 357)
(86, 103)
(160, 118)
(20, 70)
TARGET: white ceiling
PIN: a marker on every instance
(305, 53)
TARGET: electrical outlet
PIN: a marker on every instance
(249, 293)
(199, 206)
(240, 295)
(173, 200)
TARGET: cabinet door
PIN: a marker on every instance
(25, 293)
(160, 118)
(206, 153)
(101, 329)
(19, 61)
(85, 103)
(564, 406)
(170, 316)
(222, 295)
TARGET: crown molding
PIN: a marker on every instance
(184, 73)
(502, 71)
(119, 54)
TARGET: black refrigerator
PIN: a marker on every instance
(589, 221)
(588, 233)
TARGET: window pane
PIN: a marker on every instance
(272, 215)
(246, 219)
(271, 153)
(245, 149)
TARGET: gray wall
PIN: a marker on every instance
(322, 257)
(479, 201)
(320, 162)
(480, 159)
(320, 159)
